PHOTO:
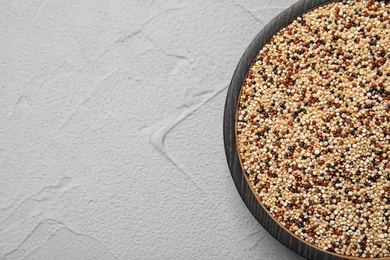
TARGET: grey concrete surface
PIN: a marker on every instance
(111, 130)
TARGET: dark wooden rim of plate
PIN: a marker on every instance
(245, 190)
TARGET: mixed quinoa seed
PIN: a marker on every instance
(313, 127)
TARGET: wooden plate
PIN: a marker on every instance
(247, 193)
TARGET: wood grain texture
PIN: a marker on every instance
(245, 190)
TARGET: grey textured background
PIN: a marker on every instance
(111, 130)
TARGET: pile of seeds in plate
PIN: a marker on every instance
(313, 127)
